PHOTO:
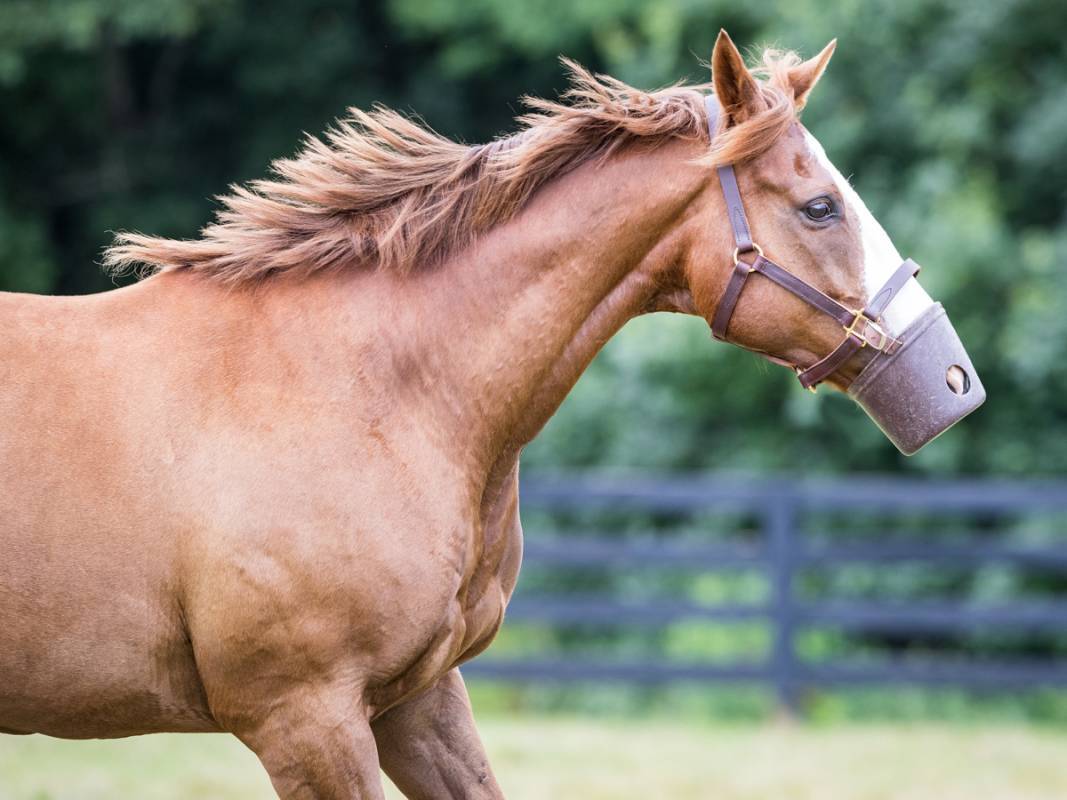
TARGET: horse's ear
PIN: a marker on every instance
(738, 93)
(803, 77)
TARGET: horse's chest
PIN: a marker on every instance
(465, 624)
(485, 594)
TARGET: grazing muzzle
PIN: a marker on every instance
(915, 386)
(924, 388)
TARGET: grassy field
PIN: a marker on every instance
(548, 758)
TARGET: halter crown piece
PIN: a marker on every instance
(862, 327)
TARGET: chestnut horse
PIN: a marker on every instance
(272, 489)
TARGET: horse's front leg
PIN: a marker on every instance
(316, 744)
(430, 748)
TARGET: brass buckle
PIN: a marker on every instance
(853, 330)
(737, 255)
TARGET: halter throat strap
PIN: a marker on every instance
(861, 327)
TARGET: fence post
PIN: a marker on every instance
(780, 528)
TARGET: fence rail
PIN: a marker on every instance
(787, 545)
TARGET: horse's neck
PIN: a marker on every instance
(474, 356)
(518, 321)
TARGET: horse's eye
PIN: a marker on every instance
(820, 210)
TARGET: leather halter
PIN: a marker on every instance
(862, 328)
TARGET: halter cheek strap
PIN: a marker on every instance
(862, 328)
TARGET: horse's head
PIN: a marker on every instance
(814, 282)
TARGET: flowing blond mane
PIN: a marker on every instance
(382, 190)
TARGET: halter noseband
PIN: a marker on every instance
(862, 328)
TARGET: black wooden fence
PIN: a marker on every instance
(788, 542)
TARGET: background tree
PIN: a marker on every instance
(952, 117)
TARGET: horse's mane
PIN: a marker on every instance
(382, 190)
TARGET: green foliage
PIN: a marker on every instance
(950, 116)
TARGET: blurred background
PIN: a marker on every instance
(685, 589)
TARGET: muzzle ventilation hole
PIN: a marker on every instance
(958, 380)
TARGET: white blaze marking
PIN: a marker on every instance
(880, 257)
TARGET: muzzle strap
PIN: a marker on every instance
(884, 296)
(857, 338)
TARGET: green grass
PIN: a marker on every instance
(554, 758)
